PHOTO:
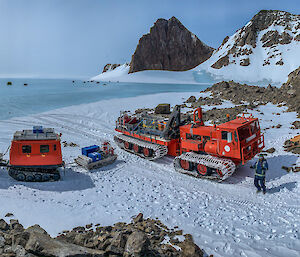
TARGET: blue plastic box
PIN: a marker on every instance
(95, 156)
(89, 149)
(37, 129)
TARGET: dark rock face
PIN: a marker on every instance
(110, 66)
(169, 46)
(224, 61)
(273, 37)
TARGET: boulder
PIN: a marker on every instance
(3, 225)
(191, 99)
(271, 150)
(117, 244)
(138, 218)
(43, 245)
(2, 241)
(162, 109)
(36, 229)
(137, 244)
(15, 225)
(189, 248)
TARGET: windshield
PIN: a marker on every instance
(254, 127)
(244, 133)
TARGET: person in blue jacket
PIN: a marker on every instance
(261, 166)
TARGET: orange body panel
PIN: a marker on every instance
(239, 139)
(209, 139)
(35, 158)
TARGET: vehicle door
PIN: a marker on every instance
(228, 144)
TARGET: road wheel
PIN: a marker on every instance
(20, 177)
(29, 178)
(147, 152)
(45, 177)
(186, 165)
(56, 177)
(219, 173)
(136, 148)
(38, 177)
(127, 145)
(203, 170)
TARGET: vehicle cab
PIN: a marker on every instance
(39, 147)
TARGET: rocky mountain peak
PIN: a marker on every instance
(265, 18)
(169, 46)
(270, 39)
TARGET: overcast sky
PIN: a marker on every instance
(76, 38)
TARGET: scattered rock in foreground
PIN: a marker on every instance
(288, 94)
(293, 145)
(270, 150)
(162, 109)
(140, 238)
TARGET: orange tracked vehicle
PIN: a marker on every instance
(211, 152)
(35, 155)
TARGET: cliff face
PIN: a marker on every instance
(169, 46)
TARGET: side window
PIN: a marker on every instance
(224, 135)
(54, 147)
(193, 137)
(206, 138)
(44, 148)
(26, 148)
(235, 136)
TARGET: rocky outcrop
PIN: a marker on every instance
(245, 62)
(140, 238)
(291, 89)
(268, 29)
(224, 61)
(110, 66)
(169, 46)
(162, 109)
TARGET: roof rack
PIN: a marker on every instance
(37, 133)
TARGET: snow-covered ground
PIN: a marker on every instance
(225, 219)
(150, 76)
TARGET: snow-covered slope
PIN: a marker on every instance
(226, 219)
(268, 47)
(120, 74)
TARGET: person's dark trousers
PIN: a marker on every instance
(260, 183)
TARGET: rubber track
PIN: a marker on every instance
(226, 166)
(158, 150)
(46, 177)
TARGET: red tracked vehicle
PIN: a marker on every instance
(35, 155)
(211, 152)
